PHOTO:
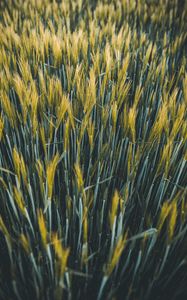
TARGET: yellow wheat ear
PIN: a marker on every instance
(114, 207)
(19, 200)
(9, 109)
(90, 130)
(114, 110)
(185, 88)
(132, 122)
(120, 245)
(20, 166)
(16, 161)
(57, 49)
(40, 171)
(62, 109)
(160, 124)
(169, 212)
(42, 227)
(163, 215)
(50, 173)
(1, 127)
(79, 177)
(166, 157)
(3, 228)
(61, 253)
(25, 243)
(173, 219)
(138, 94)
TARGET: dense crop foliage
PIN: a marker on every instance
(93, 149)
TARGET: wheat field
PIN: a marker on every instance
(93, 150)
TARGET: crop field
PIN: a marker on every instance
(93, 150)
